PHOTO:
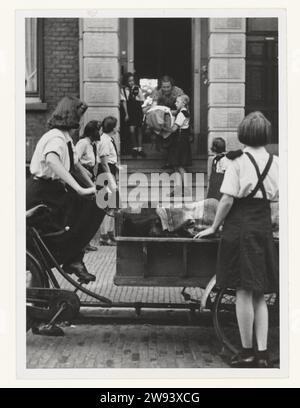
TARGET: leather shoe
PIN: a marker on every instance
(242, 361)
(263, 363)
(90, 247)
(79, 269)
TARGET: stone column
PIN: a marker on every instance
(100, 67)
(226, 75)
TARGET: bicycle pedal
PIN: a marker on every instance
(82, 281)
(53, 331)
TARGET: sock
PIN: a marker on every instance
(247, 351)
(139, 149)
(135, 148)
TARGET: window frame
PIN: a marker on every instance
(38, 96)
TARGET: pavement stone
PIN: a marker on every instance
(126, 346)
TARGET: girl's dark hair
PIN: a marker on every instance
(126, 77)
(165, 78)
(218, 145)
(67, 114)
(91, 130)
(255, 130)
(108, 124)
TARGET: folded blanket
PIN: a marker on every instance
(196, 216)
(192, 216)
(160, 120)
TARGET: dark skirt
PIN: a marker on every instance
(179, 149)
(247, 255)
(135, 113)
(67, 208)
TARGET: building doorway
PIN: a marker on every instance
(162, 46)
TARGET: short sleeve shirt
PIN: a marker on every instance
(167, 100)
(181, 120)
(85, 152)
(54, 141)
(240, 176)
(107, 148)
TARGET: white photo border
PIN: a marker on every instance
(142, 373)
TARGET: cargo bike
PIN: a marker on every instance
(141, 261)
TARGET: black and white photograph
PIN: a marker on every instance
(152, 151)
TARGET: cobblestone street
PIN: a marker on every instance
(116, 338)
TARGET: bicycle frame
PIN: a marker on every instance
(43, 256)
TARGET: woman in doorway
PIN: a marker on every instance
(132, 99)
(166, 93)
(247, 257)
(53, 164)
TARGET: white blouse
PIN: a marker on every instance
(181, 120)
(85, 152)
(240, 176)
(53, 141)
(107, 148)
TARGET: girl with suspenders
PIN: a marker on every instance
(247, 257)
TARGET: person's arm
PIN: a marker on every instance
(124, 103)
(140, 97)
(223, 209)
(83, 174)
(56, 166)
(111, 180)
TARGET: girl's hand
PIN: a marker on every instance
(126, 118)
(86, 191)
(205, 233)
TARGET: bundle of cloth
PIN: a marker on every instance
(179, 222)
(160, 120)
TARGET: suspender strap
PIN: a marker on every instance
(71, 155)
(260, 176)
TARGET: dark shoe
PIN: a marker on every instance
(142, 153)
(79, 269)
(263, 363)
(241, 361)
(90, 247)
(134, 153)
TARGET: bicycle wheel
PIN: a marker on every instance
(226, 326)
(35, 278)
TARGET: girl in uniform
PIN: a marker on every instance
(52, 183)
(247, 257)
(132, 99)
(86, 149)
(108, 155)
(179, 150)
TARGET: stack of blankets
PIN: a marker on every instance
(196, 216)
(160, 120)
(179, 222)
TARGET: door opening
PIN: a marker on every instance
(162, 46)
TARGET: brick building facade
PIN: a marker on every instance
(230, 63)
(60, 70)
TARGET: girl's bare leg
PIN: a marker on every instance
(139, 138)
(261, 321)
(133, 137)
(245, 316)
